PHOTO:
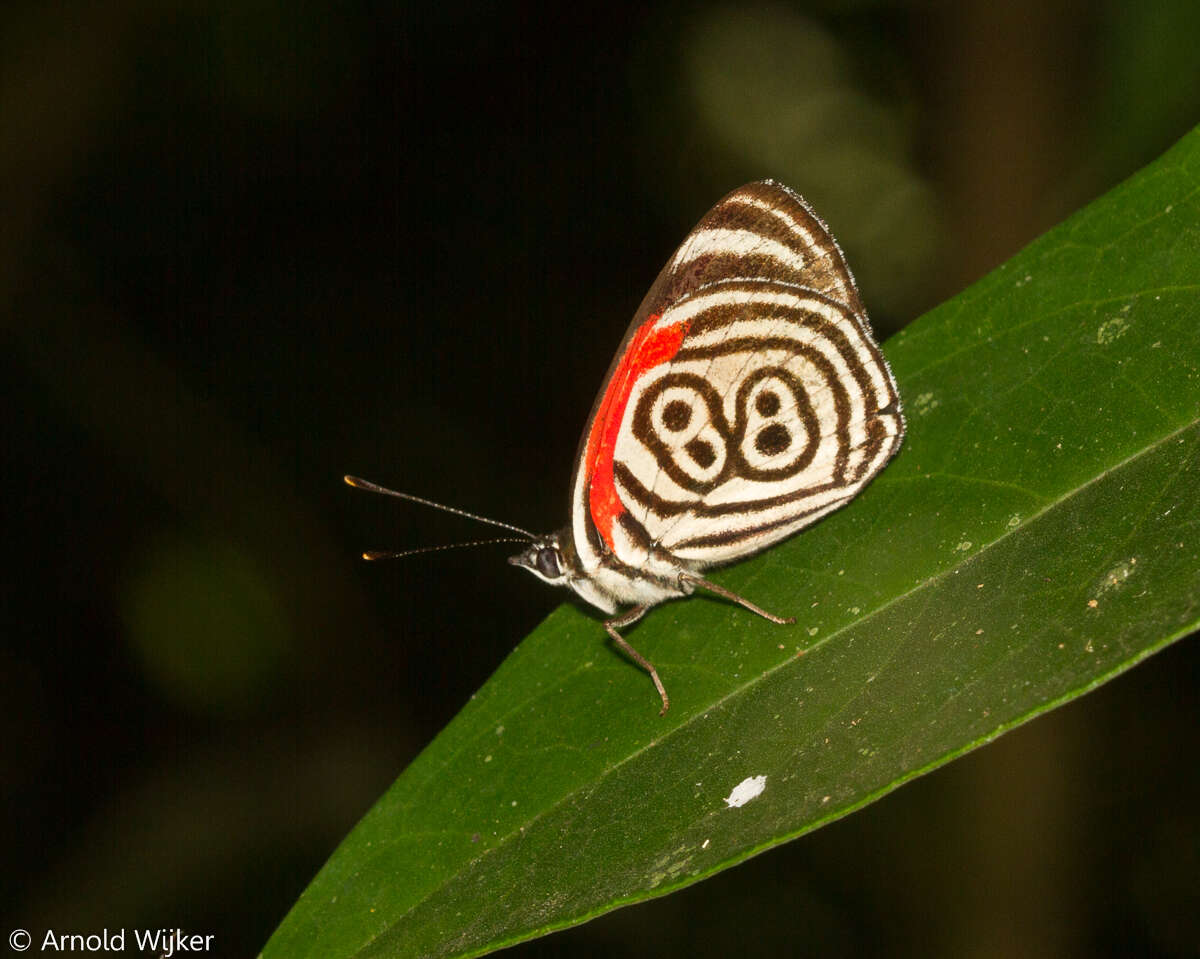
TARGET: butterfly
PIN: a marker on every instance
(747, 400)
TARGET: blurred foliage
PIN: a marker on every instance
(248, 247)
(774, 90)
(1150, 81)
(207, 626)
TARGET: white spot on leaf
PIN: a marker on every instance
(1113, 579)
(1111, 330)
(749, 788)
(924, 403)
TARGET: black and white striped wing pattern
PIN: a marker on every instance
(749, 398)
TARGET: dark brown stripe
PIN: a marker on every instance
(665, 508)
(724, 315)
(652, 502)
(636, 531)
(830, 378)
(822, 266)
(733, 436)
(729, 537)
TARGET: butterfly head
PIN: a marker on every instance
(548, 558)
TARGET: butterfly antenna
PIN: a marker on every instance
(376, 488)
(388, 554)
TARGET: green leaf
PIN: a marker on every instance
(1038, 534)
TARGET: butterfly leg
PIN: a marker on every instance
(625, 619)
(734, 597)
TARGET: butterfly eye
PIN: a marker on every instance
(547, 562)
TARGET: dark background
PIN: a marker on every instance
(247, 246)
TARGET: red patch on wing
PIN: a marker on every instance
(649, 347)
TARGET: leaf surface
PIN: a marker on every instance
(1038, 534)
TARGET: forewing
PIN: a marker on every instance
(761, 231)
(746, 399)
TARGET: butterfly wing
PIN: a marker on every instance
(747, 400)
